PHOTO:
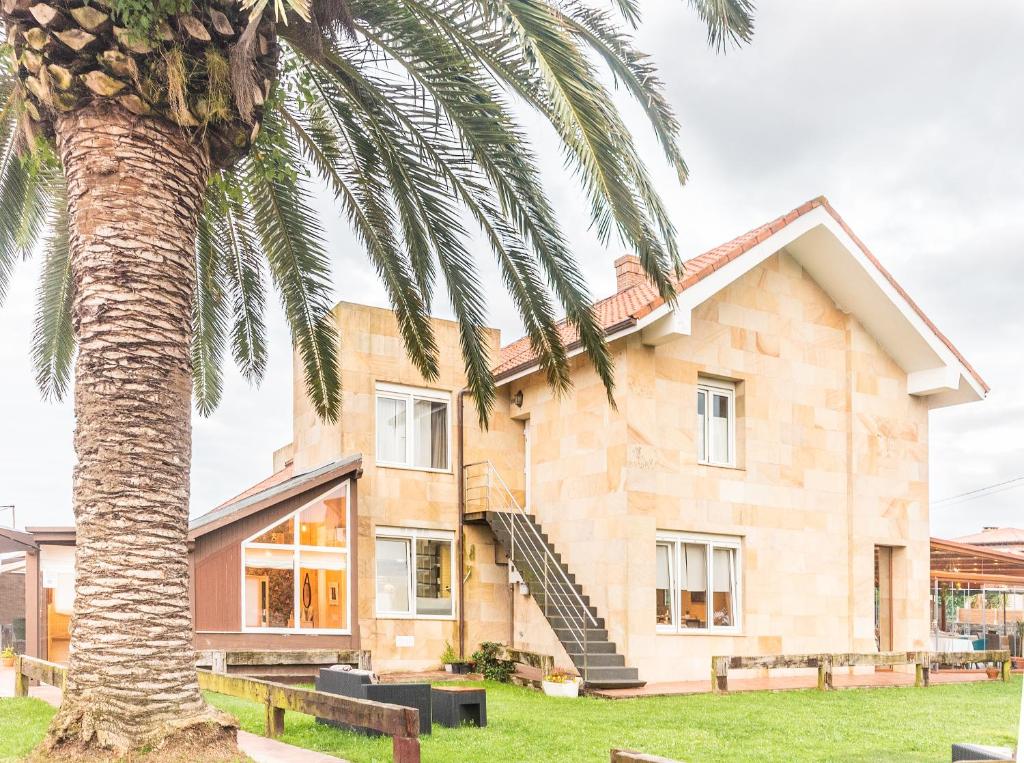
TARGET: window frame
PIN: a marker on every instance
(410, 395)
(709, 388)
(297, 550)
(411, 535)
(677, 541)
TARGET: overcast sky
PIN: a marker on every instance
(907, 115)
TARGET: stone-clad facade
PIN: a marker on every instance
(830, 464)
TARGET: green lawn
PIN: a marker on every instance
(527, 727)
(849, 725)
(22, 725)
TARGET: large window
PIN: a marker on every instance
(716, 422)
(295, 572)
(413, 427)
(415, 573)
(697, 583)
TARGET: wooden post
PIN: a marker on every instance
(20, 679)
(274, 720)
(922, 670)
(364, 662)
(825, 681)
(1005, 672)
(219, 661)
(405, 749)
(719, 675)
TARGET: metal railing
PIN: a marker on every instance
(486, 491)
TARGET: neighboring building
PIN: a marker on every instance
(1009, 539)
(760, 482)
(12, 597)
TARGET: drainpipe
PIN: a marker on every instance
(460, 477)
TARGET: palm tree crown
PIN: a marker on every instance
(402, 108)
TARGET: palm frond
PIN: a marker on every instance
(298, 262)
(231, 229)
(729, 22)
(209, 319)
(53, 338)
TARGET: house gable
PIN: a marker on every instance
(821, 243)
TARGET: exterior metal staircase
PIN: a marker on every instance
(566, 607)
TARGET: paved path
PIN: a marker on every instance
(260, 749)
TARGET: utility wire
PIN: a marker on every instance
(982, 491)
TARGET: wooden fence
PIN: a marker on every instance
(402, 724)
(826, 663)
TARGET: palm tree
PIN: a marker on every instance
(161, 150)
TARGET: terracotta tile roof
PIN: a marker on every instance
(995, 536)
(626, 307)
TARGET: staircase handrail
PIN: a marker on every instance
(577, 599)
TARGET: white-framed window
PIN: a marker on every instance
(415, 573)
(413, 428)
(716, 422)
(295, 572)
(697, 583)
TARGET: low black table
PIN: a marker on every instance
(356, 683)
(453, 706)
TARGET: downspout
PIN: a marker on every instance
(460, 477)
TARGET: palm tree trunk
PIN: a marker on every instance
(135, 191)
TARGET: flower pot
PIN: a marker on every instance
(562, 688)
(461, 668)
(992, 672)
(448, 667)
(1018, 663)
(8, 662)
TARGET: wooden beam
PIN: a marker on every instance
(392, 720)
(628, 756)
(266, 657)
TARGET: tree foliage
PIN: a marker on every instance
(405, 110)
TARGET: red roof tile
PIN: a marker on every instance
(628, 306)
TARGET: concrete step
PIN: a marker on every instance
(572, 635)
(597, 674)
(593, 660)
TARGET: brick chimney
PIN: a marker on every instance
(628, 272)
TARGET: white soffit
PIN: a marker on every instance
(828, 254)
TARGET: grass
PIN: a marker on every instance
(891, 724)
(857, 725)
(23, 723)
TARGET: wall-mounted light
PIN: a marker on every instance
(517, 400)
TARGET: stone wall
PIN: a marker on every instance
(832, 460)
(372, 352)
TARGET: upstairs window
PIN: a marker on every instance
(413, 428)
(716, 422)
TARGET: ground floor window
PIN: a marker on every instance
(415, 573)
(295, 571)
(697, 583)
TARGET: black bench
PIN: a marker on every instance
(455, 705)
(357, 684)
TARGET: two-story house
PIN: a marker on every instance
(760, 485)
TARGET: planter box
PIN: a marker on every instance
(459, 668)
(566, 689)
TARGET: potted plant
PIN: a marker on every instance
(452, 662)
(8, 657)
(992, 671)
(561, 683)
